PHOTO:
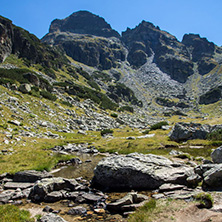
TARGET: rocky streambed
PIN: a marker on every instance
(120, 184)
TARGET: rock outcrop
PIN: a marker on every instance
(6, 33)
(100, 52)
(216, 155)
(211, 174)
(170, 55)
(138, 171)
(189, 131)
(83, 22)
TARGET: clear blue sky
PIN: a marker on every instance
(178, 17)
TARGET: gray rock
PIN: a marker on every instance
(169, 187)
(45, 186)
(52, 218)
(53, 197)
(213, 176)
(117, 205)
(91, 198)
(47, 209)
(139, 171)
(15, 185)
(216, 155)
(25, 88)
(30, 176)
(5, 196)
(77, 211)
(188, 131)
(158, 196)
(132, 207)
(15, 122)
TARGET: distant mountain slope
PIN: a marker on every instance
(161, 71)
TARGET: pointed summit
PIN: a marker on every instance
(84, 22)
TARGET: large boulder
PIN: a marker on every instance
(138, 171)
(211, 174)
(188, 131)
(213, 177)
(216, 155)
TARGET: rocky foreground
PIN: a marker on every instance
(163, 177)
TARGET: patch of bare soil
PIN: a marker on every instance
(194, 214)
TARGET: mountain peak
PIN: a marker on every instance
(84, 22)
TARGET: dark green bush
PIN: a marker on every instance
(215, 135)
(14, 74)
(158, 125)
(66, 103)
(6, 80)
(146, 131)
(93, 84)
(106, 131)
(102, 76)
(114, 115)
(97, 97)
(48, 95)
(126, 108)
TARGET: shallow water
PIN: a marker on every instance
(84, 170)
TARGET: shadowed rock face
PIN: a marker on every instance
(84, 22)
(171, 56)
(5, 38)
(198, 47)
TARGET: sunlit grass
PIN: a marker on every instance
(11, 213)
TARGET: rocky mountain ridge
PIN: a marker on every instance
(151, 62)
(139, 49)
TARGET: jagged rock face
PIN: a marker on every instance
(99, 52)
(87, 39)
(211, 96)
(201, 51)
(198, 47)
(170, 55)
(5, 38)
(25, 45)
(84, 22)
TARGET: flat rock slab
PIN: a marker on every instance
(30, 176)
(138, 171)
(15, 185)
(170, 187)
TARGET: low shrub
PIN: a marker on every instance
(106, 131)
(97, 97)
(48, 95)
(114, 115)
(205, 200)
(158, 125)
(146, 131)
(215, 135)
(93, 84)
(126, 108)
(66, 103)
